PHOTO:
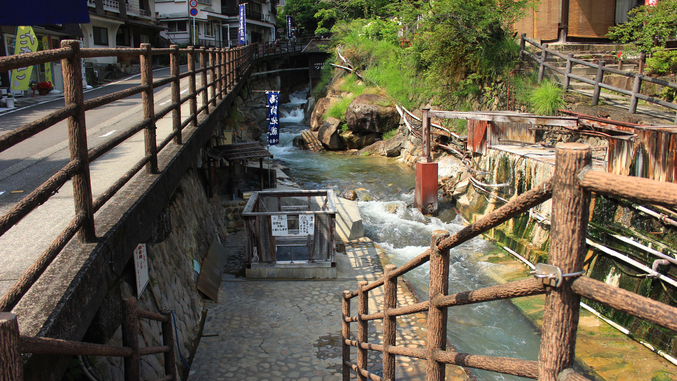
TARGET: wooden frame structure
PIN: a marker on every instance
(264, 206)
(570, 189)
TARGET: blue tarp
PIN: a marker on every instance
(43, 12)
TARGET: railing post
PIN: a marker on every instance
(570, 213)
(345, 333)
(636, 89)
(148, 107)
(598, 79)
(11, 365)
(205, 83)
(362, 329)
(437, 317)
(168, 340)
(567, 79)
(192, 84)
(426, 135)
(389, 323)
(224, 86)
(541, 69)
(176, 92)
(130, 337)
(212, 70)
(77, 138)
(523, 45)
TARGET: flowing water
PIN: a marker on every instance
(494, 328)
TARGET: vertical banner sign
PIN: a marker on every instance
(48, 65)
(25, 42)
(289, 25)
(242, 29)
(141, 267)
(306, 224)
(278, 224)
(273, 119)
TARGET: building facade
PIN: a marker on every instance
(216, 23)
(574, 20)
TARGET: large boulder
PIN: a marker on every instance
(356, 140)
(330, 135)
(321, 107)
(372, 113)
(390, 148)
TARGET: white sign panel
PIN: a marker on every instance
(279, 225)
(307, 224)
(141, 267)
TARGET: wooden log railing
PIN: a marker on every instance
(635, 95)
(225, 68)
(12, 344)
(571, 188)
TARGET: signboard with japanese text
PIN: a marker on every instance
(26, 42)
(141, 267)
(306, 224)
(278, 223)
(242, 28)
(273, 117)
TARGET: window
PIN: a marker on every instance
(100, 36)
(208, 29)
(144, 39)
(177, 26)
(123, 37)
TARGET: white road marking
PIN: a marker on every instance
(184, 91)
(165, 102)
(2, 192)
(108, 134)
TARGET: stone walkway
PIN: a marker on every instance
(291, 330)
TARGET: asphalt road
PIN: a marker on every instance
(24, 167)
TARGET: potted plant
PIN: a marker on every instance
(9, 100)
(34, 86)
(44, 87)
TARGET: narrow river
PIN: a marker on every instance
(494, 328)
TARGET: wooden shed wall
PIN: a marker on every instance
(591, 18)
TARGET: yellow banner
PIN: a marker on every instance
(48, 65)
(25, 42)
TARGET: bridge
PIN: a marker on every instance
(71, 283)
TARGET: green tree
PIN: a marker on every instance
(648, 27)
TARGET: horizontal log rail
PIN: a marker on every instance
(635, 94)
(13, 344)
(636, 189)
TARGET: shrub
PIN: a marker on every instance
(663, 62)
(547, 98)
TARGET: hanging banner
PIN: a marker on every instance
(242, 30)
(48, 65)
(289, 25)
(25, 42)
(273, 119)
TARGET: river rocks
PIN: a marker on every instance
(308, 110)
(329, 135)
(350, 195)
(372, 113)
(390, 148)
(317, 117)
(356, 140)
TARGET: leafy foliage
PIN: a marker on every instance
(648, 27)
(547, 98)
(319, 16)
(663, 62)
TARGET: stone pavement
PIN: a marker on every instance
(291, 330)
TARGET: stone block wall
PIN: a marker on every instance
(190, 223)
